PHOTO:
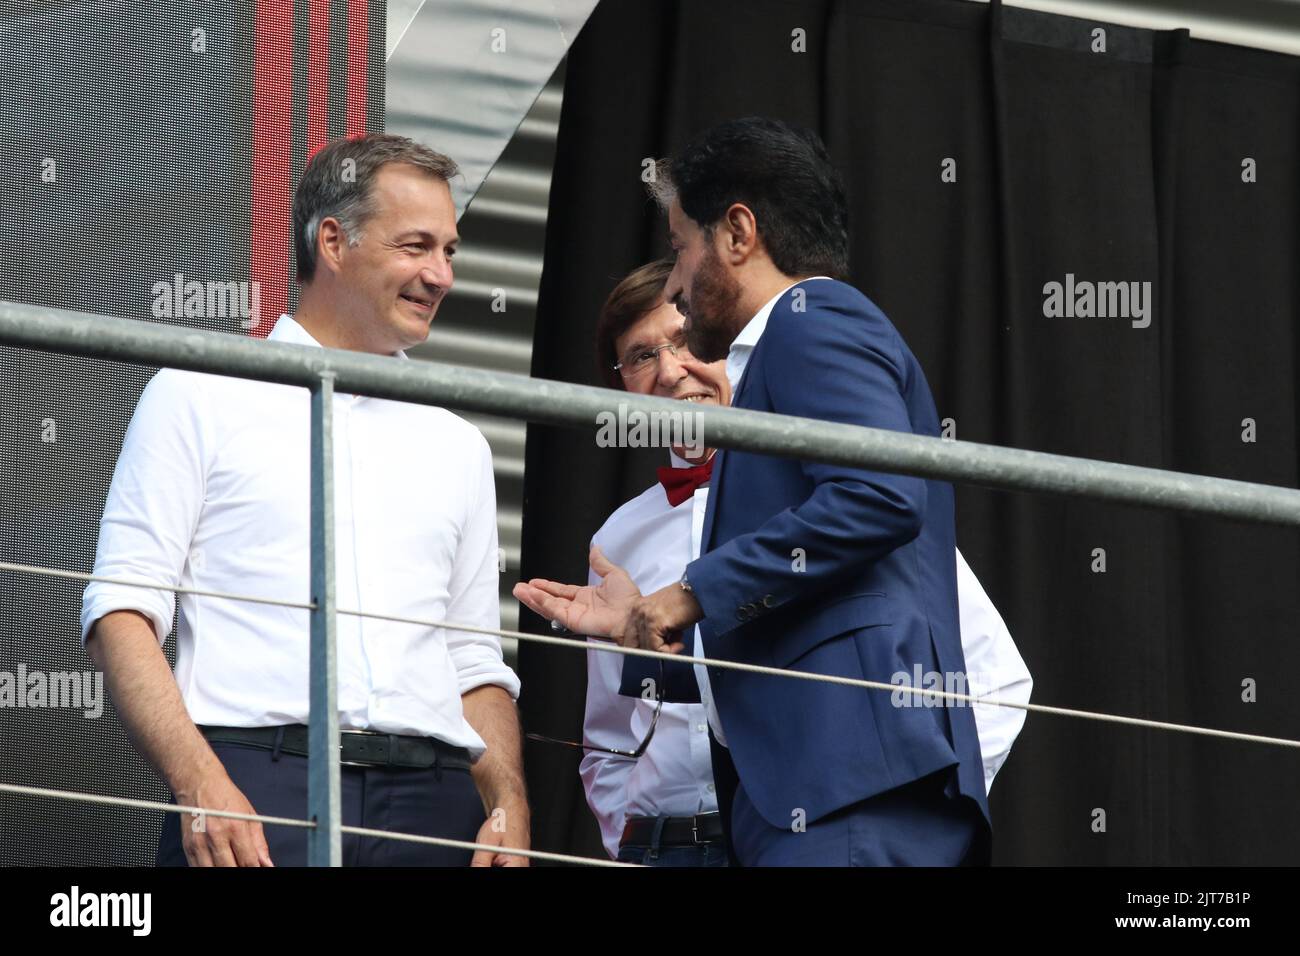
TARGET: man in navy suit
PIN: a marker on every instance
(818, 568)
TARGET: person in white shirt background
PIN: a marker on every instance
(661, 808)
(211, 492)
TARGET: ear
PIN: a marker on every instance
(739, 234)
(330, 244)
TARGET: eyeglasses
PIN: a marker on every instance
(639, 362)
(626, 754)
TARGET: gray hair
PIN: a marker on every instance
(339, 181)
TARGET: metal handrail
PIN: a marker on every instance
(560, 403)
(324, 371)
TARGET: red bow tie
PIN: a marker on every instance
(680, 483)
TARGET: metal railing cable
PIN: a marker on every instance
(322, 371)
(150, 585)
(101, 799)
(925, 693)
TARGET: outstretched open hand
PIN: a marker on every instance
(615, 609)
(600, 611)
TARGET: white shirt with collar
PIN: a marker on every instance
(211, 491)
(994, 667)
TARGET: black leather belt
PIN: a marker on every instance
(362, 748)
(677, 831)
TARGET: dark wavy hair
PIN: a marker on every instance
(782, 173)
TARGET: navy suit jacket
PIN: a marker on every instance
(833, 570)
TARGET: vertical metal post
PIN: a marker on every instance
(325, 842)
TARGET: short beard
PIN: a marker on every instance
(713, 323)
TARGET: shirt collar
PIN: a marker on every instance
(288, 330)
(743, 345)
(676, 462)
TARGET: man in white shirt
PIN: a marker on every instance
(661, 808)
(211, 492)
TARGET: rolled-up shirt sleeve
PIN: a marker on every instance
(475, 595)
(153, 505)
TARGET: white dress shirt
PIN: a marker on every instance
(674, 777)
(212, 491)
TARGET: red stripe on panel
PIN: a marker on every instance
(272, 121)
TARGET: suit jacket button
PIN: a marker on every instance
(769, 601)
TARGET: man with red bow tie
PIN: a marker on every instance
(660, 807)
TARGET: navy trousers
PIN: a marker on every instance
(655, 853)
(922, 823)
(440, 802)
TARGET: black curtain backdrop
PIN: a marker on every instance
(1123, 165)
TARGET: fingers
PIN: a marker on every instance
(201, 858)
(555, 588)
(244, 842)
(222, 841)
(523, 594)
(665, 642)
(664, 647)
(541, 603)
(670, 642)
(482, 858)
(527, 595)
(221, 848)
(263, 850)
(196, 849)
(539, 590)
(599, 563)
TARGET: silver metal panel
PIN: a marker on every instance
(487, 320)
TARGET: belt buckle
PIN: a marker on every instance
(348, 763)
(695, 829)
(354, 763)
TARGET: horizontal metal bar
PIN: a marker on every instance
(559, 403)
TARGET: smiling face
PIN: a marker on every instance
(392, 281)
(683, 376)
(703, 287)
